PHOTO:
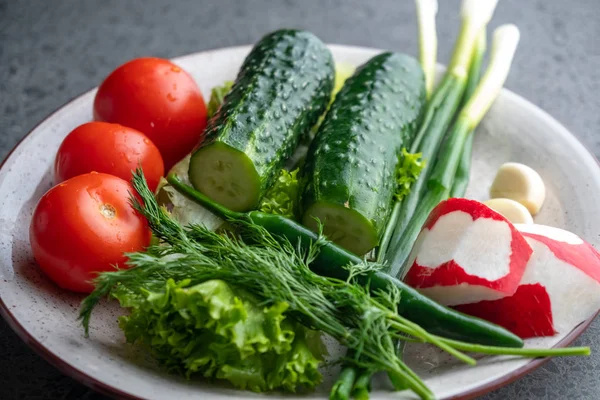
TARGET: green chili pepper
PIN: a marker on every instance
(332, 259)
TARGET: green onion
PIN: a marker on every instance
(362, 385)
(342, 388)
(441, 110)
(426, 12)
(461, 180)
(441, 180)
(526, 352)
(510, 351)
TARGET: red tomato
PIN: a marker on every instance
(158, 98)
(110, 148)
(83, 226)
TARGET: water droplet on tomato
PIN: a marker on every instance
(151, 124)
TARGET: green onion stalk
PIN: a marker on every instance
(342, 388)
(441, 111)
(461, 180)
(426, 13)
(440, 183)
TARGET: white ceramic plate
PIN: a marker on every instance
(46, 317)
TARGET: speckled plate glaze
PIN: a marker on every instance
(46, 317)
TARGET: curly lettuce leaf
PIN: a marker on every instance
(408, 170)
(282, 197)
(209, 330)
(217, 94)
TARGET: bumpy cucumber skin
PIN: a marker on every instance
(282, 88)
(352, 160)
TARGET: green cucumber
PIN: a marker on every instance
(282, 88)
(348, 177)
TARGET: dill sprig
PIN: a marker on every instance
(274, 270)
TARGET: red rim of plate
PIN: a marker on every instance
(108, 390)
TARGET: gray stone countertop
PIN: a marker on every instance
(53, 50)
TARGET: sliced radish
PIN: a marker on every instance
(559, 290)
(520, 183)
(513, 211)
(467, 253)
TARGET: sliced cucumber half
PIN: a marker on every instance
(343, 226)
(225, 175)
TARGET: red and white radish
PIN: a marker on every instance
(560, 287)
(466, 253)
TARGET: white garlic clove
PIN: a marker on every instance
(520, 183)
(513, 211)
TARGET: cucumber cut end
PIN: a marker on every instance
(225, 175)
(343, 226)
